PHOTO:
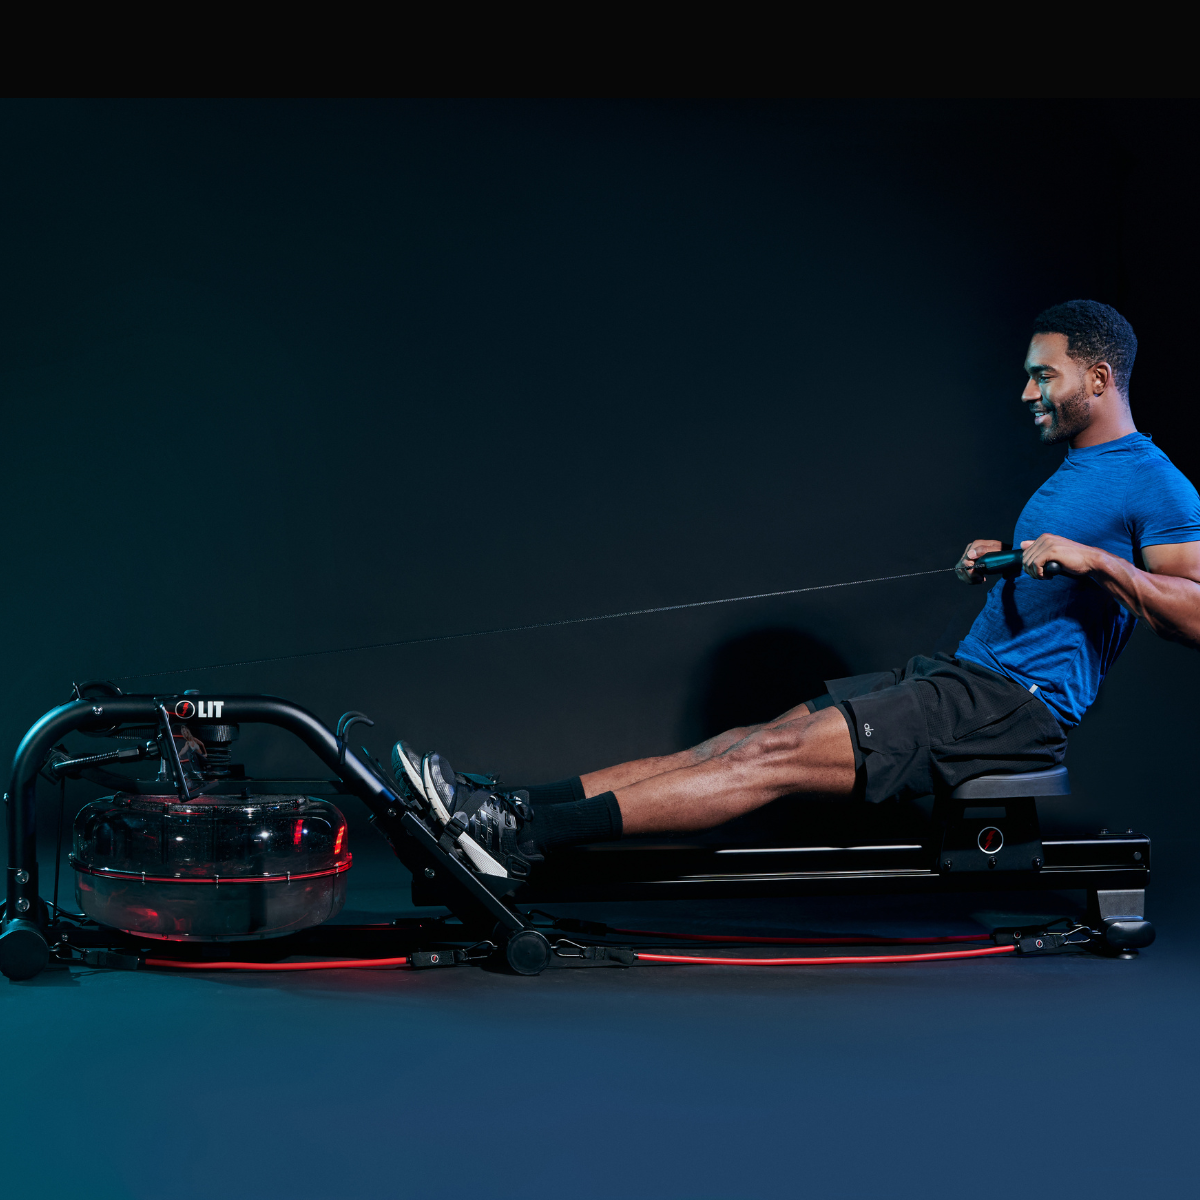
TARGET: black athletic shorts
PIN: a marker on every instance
(938, 721)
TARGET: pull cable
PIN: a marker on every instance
(450, 637)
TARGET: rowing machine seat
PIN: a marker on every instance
(1051, 781)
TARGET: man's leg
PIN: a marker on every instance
(810, 752)
(624, 775)
(738, 772)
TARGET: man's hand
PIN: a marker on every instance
(965, 567)
(1074, 557)
(1166, 595)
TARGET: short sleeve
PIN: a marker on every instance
(1162, 506)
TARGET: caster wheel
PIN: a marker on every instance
(23, 950)
(527, 952)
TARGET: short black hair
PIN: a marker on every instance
(1095, 333)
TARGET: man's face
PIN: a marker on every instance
(1058, 394)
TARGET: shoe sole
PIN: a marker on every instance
(435, 801)
(412, 773)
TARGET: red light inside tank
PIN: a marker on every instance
(341, 837)
(297, 830)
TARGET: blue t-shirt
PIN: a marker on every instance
(1058, 637)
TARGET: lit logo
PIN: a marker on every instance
(205, 709)
(990, 840)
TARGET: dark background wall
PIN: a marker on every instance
(281, 377)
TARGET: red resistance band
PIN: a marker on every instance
(850, 940)
(857, 960)
(301, 966)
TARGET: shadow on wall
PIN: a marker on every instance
(756, 676)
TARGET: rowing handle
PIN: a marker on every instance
(1008, 562)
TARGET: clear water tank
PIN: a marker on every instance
(213, 869)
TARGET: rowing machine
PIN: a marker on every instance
(201, 855)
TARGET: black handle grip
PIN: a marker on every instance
(1008, 562)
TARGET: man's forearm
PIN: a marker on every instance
(1170, 605)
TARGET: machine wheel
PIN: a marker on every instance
(527, 952)
(23, 950)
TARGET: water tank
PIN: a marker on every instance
(213, 869)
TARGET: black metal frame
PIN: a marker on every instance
(632, 872)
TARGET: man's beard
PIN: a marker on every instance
(1067, 418)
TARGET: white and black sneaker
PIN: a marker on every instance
(408, 768)
(437, 776)
(492, 828)
(502, 823)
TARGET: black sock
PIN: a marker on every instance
(563, 792)
(597, 819)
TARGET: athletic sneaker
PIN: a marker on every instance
(493, 827)
(406, 766)
(502, 823)
(437, 776)
(410, 767)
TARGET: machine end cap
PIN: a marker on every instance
(1128, 933)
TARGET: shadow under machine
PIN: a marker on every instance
(202, 858)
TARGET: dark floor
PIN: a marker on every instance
(1065, 1077)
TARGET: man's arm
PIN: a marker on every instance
(1166, 595)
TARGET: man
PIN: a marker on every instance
(1116, 515)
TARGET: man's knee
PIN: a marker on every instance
(770, 741)
(811, 754)
(716, 746)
